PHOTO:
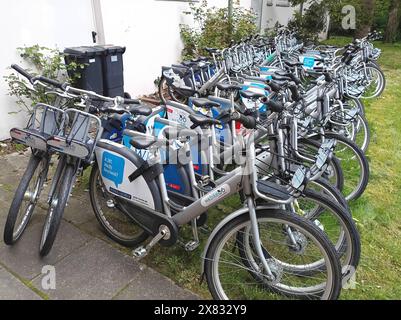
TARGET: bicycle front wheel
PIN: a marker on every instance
(56, 210)
(374, 81)
(230, 276)
(25, 198)
(354, 164)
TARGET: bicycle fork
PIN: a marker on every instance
(256, 239)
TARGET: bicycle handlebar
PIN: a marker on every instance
(51, 82)
(274, 106)
(23, 72)
(247, 121)
(68, 89)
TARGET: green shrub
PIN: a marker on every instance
(214, 28)
(43, 61)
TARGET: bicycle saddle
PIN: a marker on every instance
(205, 103)
(274, 86)
(181, 71)
(140, 110)
(142, 142)
(252, 95)
(202, 121)
(212, 50)
(274, 106)
(228, 87)
(175, 133)
(292, 63)
(189, 64)
(280, 78)
(200, 59)
(288, 75)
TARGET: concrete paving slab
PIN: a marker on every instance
(96, 271)
(3, 213)
(79, 210)
(12, 168)
(151, 285)
(86, 267)
(23, 258)
(13, 289)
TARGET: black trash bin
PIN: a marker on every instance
(113, 70)
(92, 74)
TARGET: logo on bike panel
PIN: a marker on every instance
(215, 195)
(113, 168)
(309, 62)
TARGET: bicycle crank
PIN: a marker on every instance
(142, 252)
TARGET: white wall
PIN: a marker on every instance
(150, 31)
(273, 13)
(148, 28)
(53, 23)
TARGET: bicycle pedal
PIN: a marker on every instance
(139, 253)
(192, 246)
(142, 251)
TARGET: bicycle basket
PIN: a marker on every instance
(44, 122)
(80, 134)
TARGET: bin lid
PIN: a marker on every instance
(111, 49)
(85, 51)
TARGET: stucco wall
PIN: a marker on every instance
(148, 28)
(46, 22)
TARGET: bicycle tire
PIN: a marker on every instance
(55, 213)
(11, 237)
(290, 219)
(363, 162)
(107, 227)
(335, 163)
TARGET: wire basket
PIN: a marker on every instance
(44, 122)
(81, 131)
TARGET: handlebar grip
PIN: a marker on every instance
(348, 59)
(295, 78)
(51, 82)
(296, 96)
(113, 110)
(318, 69)
(327, 77)
(22, 72)
(274, 86)
(274, 106)
(248, 122)
(132, 101)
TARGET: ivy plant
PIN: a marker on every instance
(42, 61)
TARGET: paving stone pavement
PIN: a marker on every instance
(87, 265)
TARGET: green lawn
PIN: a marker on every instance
(378, 212)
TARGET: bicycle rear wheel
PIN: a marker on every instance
(167, 92)
(112, 215)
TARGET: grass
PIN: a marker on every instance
(377, 212)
